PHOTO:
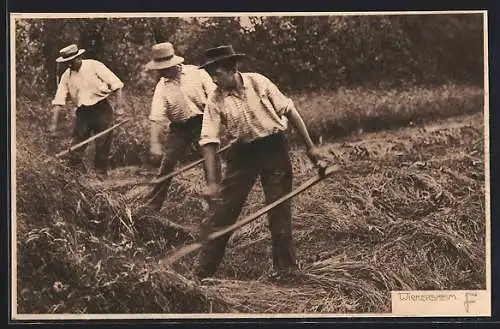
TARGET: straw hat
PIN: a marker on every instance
(163, 57)
(68, 53)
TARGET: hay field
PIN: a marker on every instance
(407, 212)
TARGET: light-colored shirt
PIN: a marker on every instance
(87, 86)
(257, 110)
(179, 100)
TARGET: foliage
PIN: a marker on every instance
(298, 52)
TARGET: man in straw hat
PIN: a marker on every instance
(256, 113)
(179, 99)
(89, 83)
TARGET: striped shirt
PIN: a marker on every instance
(255, 111)
(178, 101)
(87, 86)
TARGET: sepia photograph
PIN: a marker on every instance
(249, 165)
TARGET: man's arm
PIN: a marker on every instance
(114, 83)
(209, 142)
(106, 75)
(296, 120)
(155, 131)
(59, 101)
(56, 109)
(312, 151)
(284, 106)
(157, 119)
(119, 101)
(212, 163)
(208, 84)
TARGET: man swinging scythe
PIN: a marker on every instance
(256, 113)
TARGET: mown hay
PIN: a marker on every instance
(81, 249)
(407, 213)
(390, 221)
(326, 286)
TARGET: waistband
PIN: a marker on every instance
(89, 107)
(192, 120)
(270, 146)
(278, 137)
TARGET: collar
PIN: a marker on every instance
(79, 69)
(240, 88)
(182, 72)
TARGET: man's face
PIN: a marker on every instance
(223, 77)
(171, 72)
(75, 63)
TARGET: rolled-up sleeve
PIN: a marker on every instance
(62, 90)
(208, 84)
(108, 76)
(282, 104)
(157, 112)
(211, 125)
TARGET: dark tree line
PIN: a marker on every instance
(298, 52)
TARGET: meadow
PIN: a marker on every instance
(407, 212)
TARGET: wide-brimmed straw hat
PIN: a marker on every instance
(220, 53)
(68, 53)
(163, 57)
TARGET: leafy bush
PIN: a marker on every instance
(298, 52)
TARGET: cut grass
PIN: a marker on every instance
(86, 250)
(408, 213)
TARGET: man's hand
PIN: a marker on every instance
(212, 191)
(195, 147)
(53, 130)
(205, 230)
(51, 140)
(118, 102)
(317, 158)
(213, 194)
(119, 112)
(55, 119)
(213, 197)
(118, 106)
(156, 153)
(314, 154)
(155, 149)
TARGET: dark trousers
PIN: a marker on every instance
(179, 138)
(91, 120)
(269, 159)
